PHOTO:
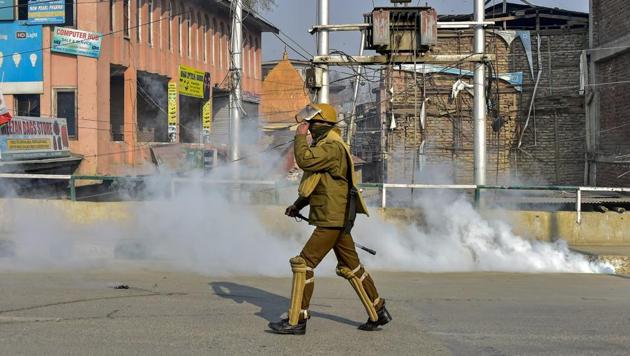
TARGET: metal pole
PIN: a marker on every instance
(322, 50)
(236, 99)
(578, 205)
(479, 104)
(357, 79)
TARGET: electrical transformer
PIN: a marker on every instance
(401, 30)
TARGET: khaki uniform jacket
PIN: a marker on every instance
(324, 184)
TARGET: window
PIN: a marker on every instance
(189, 33)
(221, 45)
(139, 20)
(150, 24)
(213, 46)
(198, 38)
(170, 25)
(126, 18)
(112, 11)
(27, 105)
(205, 39)
(66, 107)
(255, 58)
(181, 32)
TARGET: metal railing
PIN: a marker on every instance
(384, 187)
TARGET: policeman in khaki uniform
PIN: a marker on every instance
(328, 187)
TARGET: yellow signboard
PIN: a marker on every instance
(172, 104)
(206, 115)
(29, 144)
(191, 81)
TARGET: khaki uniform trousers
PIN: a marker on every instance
(317, 247)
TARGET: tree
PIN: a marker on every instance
(257, 5)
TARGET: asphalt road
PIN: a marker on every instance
(78, 313)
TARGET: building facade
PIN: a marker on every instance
(160, 74)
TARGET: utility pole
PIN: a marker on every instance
(236, 69)
(479, 101)
(357, 79)
(322, 50)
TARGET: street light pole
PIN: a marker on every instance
(479, 102)
(236, 98)
(322, 50)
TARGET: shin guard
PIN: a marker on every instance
(357, 284)
(299, 268)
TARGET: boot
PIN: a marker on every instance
(283, 327)
(383, 318)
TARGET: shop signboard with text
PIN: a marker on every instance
(21, 69)
(191, 82)
(25, 138)
(46, 12)
(81, 43)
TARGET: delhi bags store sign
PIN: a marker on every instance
(25, 138)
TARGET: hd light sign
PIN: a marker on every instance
(21, 59)
(46, 12)
(25, 138)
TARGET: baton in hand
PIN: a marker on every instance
(366, 249)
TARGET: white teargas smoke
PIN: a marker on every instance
(200, 230)
(17, 58)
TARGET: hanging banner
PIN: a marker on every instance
(191, 81)
(526, 39)
(21, 69)
(172, 104)
(77, 42)
(172, 111)
(514, 78)
(46, 12)
(206, 116)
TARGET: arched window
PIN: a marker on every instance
(139, 20)
(221, 45)
(189, 33)
(256, 58)
(180, 33)
(250, 56)
(215, 30)
(150, 24)
(170, 26)
(198, 37)
(205, 39)
(112, 11)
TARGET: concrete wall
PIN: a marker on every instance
(596, 228)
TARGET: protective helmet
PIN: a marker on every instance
(317, 112)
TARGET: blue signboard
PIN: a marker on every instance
(46, 12)
(21, 68)
(81, 43)
(7, 10)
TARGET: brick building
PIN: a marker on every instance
(544, 145)
(608, 95)
(128, 94)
